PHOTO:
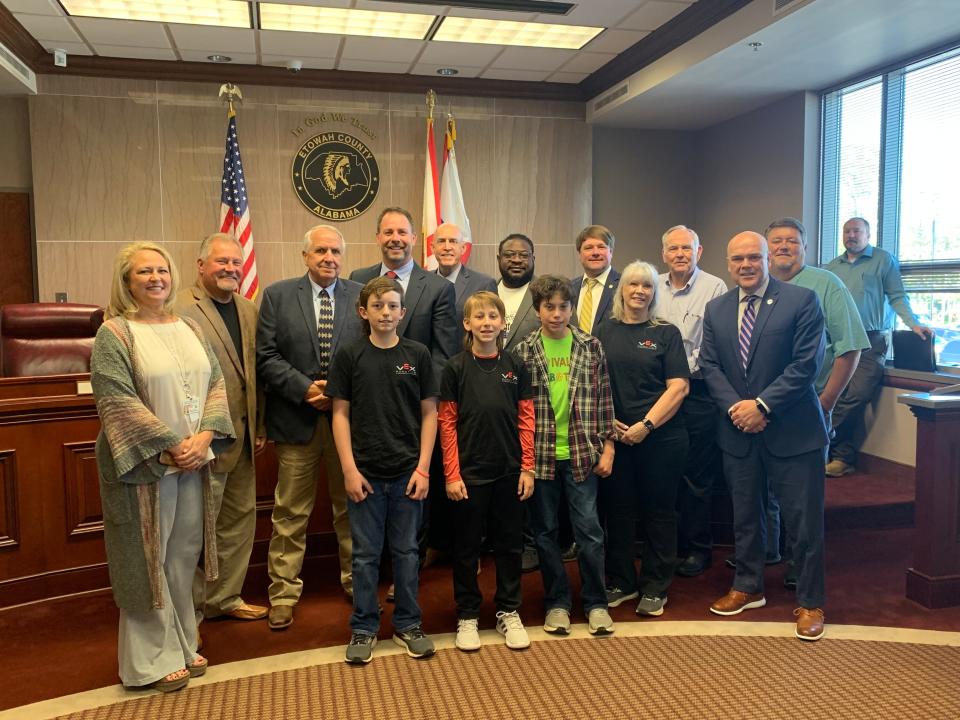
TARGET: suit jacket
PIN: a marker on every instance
(430, 301)
(786, 351)
(605, 305)
(288, 351)
(240, 378)
(469, 282)
(524, 323)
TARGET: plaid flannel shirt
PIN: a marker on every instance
(591, 404)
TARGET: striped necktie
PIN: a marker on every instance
(325, 331)
(586, 305)
(746, 328)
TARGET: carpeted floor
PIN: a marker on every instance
(693, 677)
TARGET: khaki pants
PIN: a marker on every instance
(293, 502)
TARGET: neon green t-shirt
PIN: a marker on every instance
(558, 366)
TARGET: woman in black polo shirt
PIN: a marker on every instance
(649, 375)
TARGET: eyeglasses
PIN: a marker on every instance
(511, 254)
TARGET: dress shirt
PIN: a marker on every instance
(874, 281)
(597, 294)
(454, 274)
(684, 307)
(403, 273)
(512, 299)
(316, 298)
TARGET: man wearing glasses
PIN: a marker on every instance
(515, 259)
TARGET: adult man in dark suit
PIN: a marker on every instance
(429, 299)
(229, 322)
(516, 262)
(303, 321)
(762, 349)
(448, 247)
(594, 290)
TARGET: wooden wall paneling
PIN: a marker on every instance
(16, 238)
(83, 270)
(81, 490)
(9, 501)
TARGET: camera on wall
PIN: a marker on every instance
(294, 66)
(59, 57)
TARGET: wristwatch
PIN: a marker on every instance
(761, 408)
(648, 425)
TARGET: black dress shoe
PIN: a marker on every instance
(693, 565)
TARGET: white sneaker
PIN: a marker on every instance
(468, 636)
(510, 626)
(599, 622)
(557, 621)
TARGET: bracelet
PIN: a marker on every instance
(421, 473)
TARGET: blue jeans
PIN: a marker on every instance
(581, 501)
(387, 512)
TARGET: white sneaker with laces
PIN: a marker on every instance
(511, 627)
(468, 636)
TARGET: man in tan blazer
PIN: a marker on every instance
(229, 322)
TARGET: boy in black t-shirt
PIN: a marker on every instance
(384, 424)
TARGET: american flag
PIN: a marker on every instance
(234, 210)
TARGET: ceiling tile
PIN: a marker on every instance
(566, 77)
(454, 53)
(526, 75)
(587, 62)
(372, 66)
(525, 58)
(299, 44)
(47, 27)
(123, 32)
(653, 14)
(615, 41)
(389, 50)
(593, 13)
(308, 63)
(237, 58)
(431, 69)
(35, 7)
(70, 47)
(141, 53)
(213, 39)
(414, 8)
(491, 14)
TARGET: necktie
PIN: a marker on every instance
(391, 274)
(325, 331)
(586, 306)
(746, 328)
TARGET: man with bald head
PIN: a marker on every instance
(448, 249)
(763, 346)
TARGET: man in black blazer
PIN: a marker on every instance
(448, 248)
(516, 262)
(296, 342)
(762, 349)
(594, 290)
(429, 299)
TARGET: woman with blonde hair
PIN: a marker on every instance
(163, 415)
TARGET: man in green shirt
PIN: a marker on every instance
(872, 275)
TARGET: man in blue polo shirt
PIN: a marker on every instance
(872, 275)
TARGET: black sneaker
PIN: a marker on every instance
(529, 560)
(570, 554)
(360, 649)
(414, 642)
(616, 597)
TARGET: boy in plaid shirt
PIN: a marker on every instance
(573, 445)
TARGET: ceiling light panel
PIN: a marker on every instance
(340, 21)
(507, 32)
(224, 13)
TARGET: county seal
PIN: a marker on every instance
(335, 176)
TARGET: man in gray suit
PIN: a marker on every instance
(430, 300)
(303, 321)
(229, 322)
(516, 261)
(448, 247)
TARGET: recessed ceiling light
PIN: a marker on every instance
(340, 21)
(509, 32)
(447, 71)
(224, 13)
(219, 58)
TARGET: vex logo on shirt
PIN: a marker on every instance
(406, 369)
(646, 345)
(509, 377)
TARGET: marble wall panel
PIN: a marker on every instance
(95, 169)
(96, 87)
(83, 270)
(540, 108)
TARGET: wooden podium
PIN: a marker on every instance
(934, 579)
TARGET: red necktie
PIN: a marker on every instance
(391, 274)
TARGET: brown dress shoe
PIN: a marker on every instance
(735, 602)
(280, 617)
(810, 624)
(248, 612)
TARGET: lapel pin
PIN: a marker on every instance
(769, 301)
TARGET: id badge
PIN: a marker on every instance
(191, 410)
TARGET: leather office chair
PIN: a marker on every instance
(47, 338)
